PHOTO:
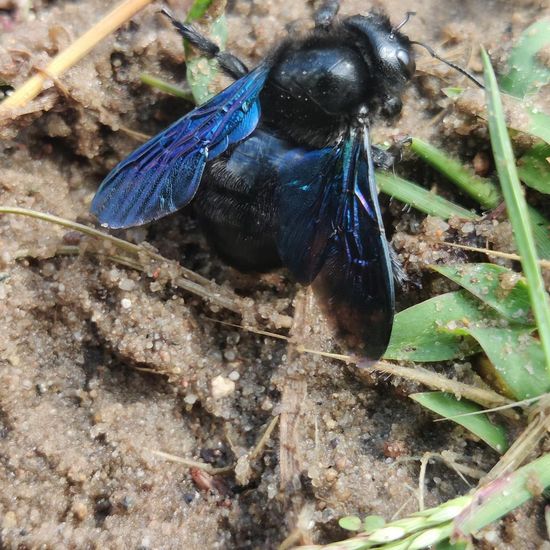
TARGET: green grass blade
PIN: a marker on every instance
(516, 207)
(420, 198)
(534, 168)
(448, 406)
(500, 288)
(527, 71)
(502, 495)
(166, 87)
(482, 190)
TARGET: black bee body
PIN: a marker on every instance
(236, 202)
(313, 90)
(293, 186)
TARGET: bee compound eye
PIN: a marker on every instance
(406, 61)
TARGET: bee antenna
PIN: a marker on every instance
(167, 13)
(408, 16)
(230, 64)
(454, 66)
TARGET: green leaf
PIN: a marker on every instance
(541, 232)
(516, 359)
(527, 72)
(534, 168)
(447, 406)
(201, 70)
(198, 9)
(372, 523)
(482, 190)
(166, 87)
(500, 288)
(448, 545)
(416, 334)
(539, 124)
(350, 523)
(453, 91)
(496, 499)
(517, 207)
(420, 198)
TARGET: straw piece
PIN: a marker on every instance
(73, 54)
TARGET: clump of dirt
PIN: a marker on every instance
(102, 365)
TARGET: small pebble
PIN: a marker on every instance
(80, 510)
(222, 387)
(127, 284)
(229, 355)
(468, 227)
(126, 303)
(482, 164)
(190, 399)
(9, 521)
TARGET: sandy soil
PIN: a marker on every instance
(100, 364)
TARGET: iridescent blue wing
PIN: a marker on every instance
(307, 204)
(163, 174)
(335, 236)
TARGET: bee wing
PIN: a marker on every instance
(163, 174)
(307, 204)
(335, 238)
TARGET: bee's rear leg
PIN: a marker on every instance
(385, 159)
(229, 63)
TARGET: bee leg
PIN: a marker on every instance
(325, 14)
(399, 274)
(387, 158)
(229, 63)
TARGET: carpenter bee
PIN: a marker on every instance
(279, 167)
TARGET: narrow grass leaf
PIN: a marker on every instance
(516, 360)
(481, 190)
(448, 406)
(420, 198)
(485, 192)
(166, 87)
(501, 496)
(527, 71)
(453, 91)
(500, 288)
(534, 168)
(416, 335)
(517, 207)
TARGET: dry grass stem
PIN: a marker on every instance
(73, 54)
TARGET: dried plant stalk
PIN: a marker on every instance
(73, 54)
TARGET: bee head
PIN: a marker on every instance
(387, 52)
